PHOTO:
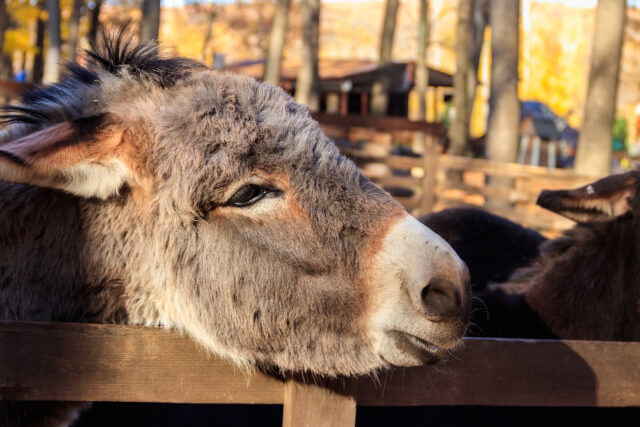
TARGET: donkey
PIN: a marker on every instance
(150, 190)
(585, 284)
(492, 247)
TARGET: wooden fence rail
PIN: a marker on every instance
(87, 362)
(435, 181)
(428, 181)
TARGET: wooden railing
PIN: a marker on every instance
(437, 181)
(87, 362)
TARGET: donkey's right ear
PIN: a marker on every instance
(87, 157)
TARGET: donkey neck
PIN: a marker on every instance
(585, 290)
(47, 272)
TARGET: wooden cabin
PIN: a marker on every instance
(345, 84)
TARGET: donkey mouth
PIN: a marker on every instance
(425, 351)
(424, 345)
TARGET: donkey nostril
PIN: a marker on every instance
(440, 298)
(424, 293)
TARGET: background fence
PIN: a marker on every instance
(434, 181)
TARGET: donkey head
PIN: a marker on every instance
(234, 218)
(604, 200)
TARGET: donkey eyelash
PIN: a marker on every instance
(250, 194)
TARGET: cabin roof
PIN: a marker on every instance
(334, 72)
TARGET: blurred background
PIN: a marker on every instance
(441, 102)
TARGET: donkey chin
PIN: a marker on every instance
(424, 313)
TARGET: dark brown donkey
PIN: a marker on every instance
(156, 191)
(583, 285)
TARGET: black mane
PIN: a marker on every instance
(114, 53)
(120, 50)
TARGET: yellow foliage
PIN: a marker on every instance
(554, 58)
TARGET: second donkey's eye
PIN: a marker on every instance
(248, 195)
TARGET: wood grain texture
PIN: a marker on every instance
(493, 372)
(430, 166)
(376, 122)
(319, 404)
(441, 192)
(84, 362)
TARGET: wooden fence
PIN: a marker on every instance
(85, 362)
(436, 181)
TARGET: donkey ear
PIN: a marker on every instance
(600, 201)
(85, 157)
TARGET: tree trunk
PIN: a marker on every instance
(6, 71)
(594, 146)
(504, 116)
(459, 132)
(379, 96)
(150, 20)
(4, 21)
(276, 42)
(52, 62)
(95, 22)
(307, 82)
(211, 16)
(74, 26)
(388, 31)
(37, 69)
(480, 20)
(422, 71)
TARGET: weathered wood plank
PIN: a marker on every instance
(382, 123)
(508, 169)
(502, 193)
(542, 221)
(77, 362)
(398, 181)
(517, 373)
(63, 361)
(430, 165)
(319, 403)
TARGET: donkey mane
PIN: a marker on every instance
(116, 53)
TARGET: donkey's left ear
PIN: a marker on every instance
(87, 157)
(600, 201)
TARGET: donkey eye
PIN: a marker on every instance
(248, 195)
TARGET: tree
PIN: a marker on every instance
(150, 20)
(379, 99)
(276, 42)
(459, 132)
(307, 81)
(74, 26)
(37, 70)
(504, 114)
(52, 60)
(95, 22)
(479, 21)
(5, 61)
(208, 33)
(594, 145)
(422, 71)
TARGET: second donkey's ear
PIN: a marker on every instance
(600, 201)
(87, 157)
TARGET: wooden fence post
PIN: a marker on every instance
(430, 166)
(319, 404)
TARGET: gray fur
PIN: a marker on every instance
(288, 294)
